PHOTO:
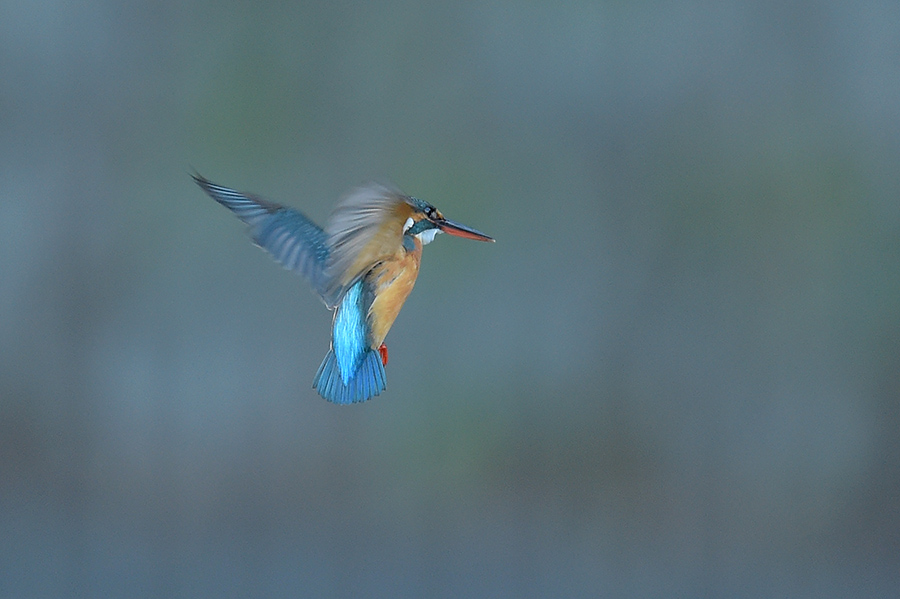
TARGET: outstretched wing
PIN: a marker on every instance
(365, 227)
(295, 241)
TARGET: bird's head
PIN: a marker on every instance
(426, 221)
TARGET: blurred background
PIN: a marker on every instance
(676, 373)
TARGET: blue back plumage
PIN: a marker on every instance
(295, 241)
(349, 333)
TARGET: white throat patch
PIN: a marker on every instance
(428, 236)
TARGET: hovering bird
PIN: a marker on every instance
(363, 264)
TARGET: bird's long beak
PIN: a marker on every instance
(454, 228)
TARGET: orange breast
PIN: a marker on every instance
(392, 280)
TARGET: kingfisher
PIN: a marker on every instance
(363, 265)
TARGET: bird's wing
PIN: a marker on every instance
(295, 241)
(365, 227)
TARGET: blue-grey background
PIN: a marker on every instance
(676, 373)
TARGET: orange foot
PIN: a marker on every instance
(383, 351)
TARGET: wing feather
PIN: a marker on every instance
(294, 240)
(365, 227)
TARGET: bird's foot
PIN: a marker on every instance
(383, 351)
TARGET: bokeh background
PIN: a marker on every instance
(676, 373)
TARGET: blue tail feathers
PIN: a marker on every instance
(368, 381)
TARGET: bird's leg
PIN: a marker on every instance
(383, 351)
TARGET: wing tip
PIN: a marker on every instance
(199, 179)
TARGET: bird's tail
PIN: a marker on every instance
(367, 382)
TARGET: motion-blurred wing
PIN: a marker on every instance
(295, 241)
(365, 227)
